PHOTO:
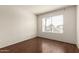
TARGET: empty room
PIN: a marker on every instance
(39, 29)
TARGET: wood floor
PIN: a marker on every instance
(52, 46)
(40, 45)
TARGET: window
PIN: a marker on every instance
(53, 24)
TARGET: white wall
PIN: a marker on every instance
(78, 26)
(69, 34)
(16, 24)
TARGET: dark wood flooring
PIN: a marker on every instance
(40, 45)
(53, 46)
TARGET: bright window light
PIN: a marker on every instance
(53, 24)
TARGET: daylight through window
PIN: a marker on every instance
(53, 24)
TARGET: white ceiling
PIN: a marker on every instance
(38, 9)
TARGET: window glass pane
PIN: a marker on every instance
(57, 24)
(43, 24)
(48, 24)
(53, 24)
